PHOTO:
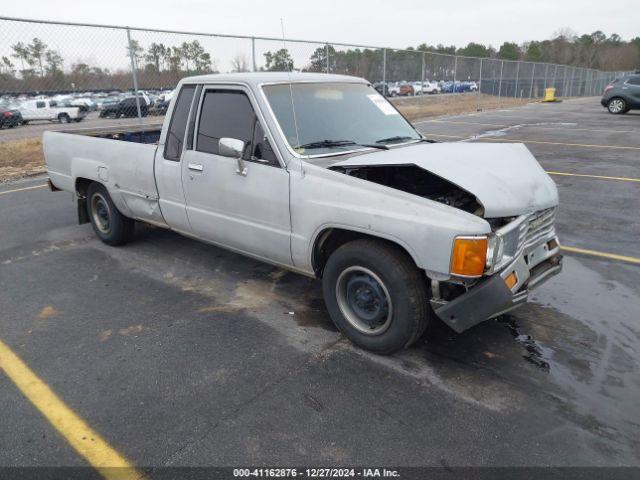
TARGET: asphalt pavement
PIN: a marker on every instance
(183, 354)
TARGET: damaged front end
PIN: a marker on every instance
(526, 254)
(416, 181)
(521, 251)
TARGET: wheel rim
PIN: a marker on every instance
(616, 106)
(364, 300)
(100, 213)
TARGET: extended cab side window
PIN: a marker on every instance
(178, 125)
(40, 105)
(228, 113)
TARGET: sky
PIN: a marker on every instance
(379, 23)
(395, 24)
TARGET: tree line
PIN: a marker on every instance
(36, 66)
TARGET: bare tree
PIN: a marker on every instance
(239, 63)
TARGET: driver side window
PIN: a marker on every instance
(228, 113)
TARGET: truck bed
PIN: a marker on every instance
(121, 158)
(126, 133)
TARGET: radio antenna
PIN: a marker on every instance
(288, 66)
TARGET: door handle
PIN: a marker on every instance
(195, 167)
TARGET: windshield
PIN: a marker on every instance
(336, 117)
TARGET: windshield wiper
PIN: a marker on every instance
(339, 143)
(401, 138)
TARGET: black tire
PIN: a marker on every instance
(64, 118)
(617, 106)
(110, 225)
(351, 270)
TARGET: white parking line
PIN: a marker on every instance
(558, 127)
(22, 189)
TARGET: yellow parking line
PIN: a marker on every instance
(86, 441)
(22, 189)
(490, 139)
(604, 177)
(595, 253)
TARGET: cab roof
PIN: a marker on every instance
(257, 78)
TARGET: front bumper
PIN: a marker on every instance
(491, 296)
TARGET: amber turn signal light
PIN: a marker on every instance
(469, 256)
(511, 280)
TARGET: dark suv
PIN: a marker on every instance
(622, 95)
(125, 108)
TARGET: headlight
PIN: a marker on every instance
(495, 251)
(469, 256)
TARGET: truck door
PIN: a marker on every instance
(244, 210)
(168, 170)
(31, 111)
(43, 111)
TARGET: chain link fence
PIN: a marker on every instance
(97, 66)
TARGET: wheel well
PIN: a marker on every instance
(329, 240)
(82, 186)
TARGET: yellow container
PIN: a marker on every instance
(549, 94)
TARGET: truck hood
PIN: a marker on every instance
(504, 177)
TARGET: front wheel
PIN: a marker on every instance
(64, 118)
(617, 106)
(110, 225)
(376, 295)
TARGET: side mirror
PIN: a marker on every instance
(233, 148)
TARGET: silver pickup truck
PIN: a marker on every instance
(321, 175)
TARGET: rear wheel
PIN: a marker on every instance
(617, 106)
(110, 225)
(376, 295)
(64, 118)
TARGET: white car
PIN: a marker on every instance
(339, 187)
(89, 104)
(431, 87)
(421, 88)
(44, 109)
(393, 89)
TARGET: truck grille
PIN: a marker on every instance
(525, 233)
(537, 229)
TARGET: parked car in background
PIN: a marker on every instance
(382, 88)
(469, 86)
(50, 110)
(418, 88)
(406, 89)
(125, 108)
(10, 118)
(394, 88)
(622, 95)
(160, 107)
(447, 87)
(104, 102)
(87, 103)
(430, 87)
